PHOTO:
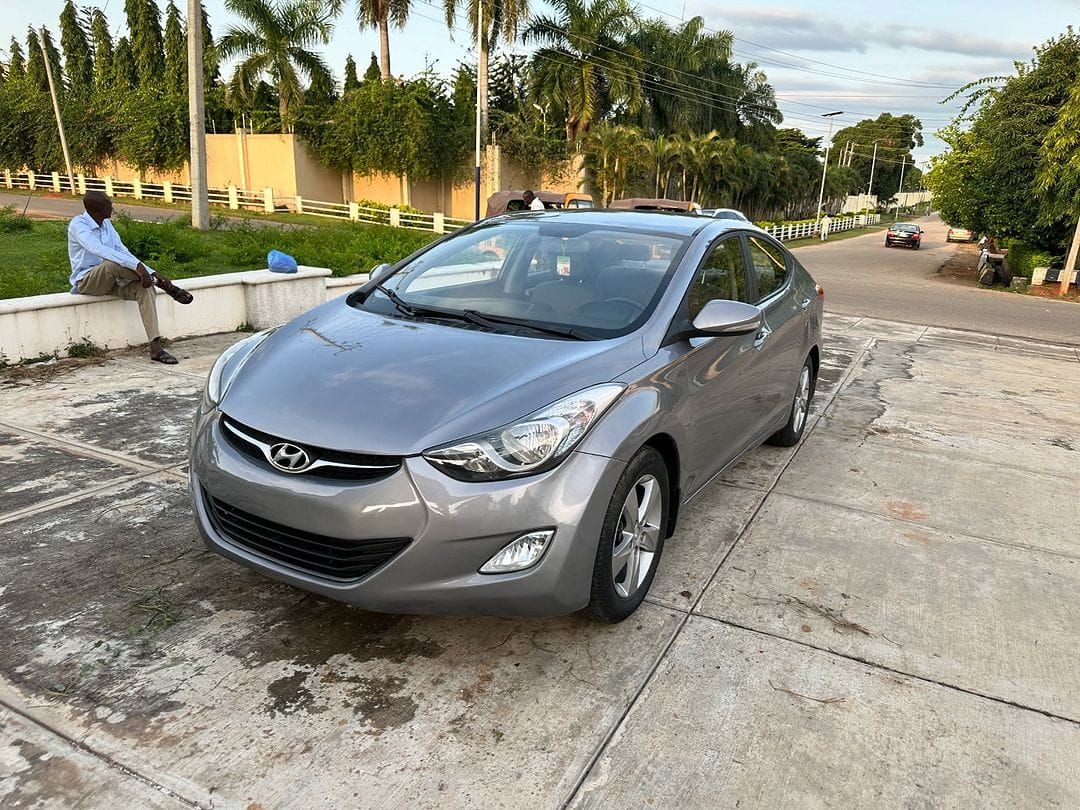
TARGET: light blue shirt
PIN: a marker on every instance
(90, 244)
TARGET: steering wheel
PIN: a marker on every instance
(626, 301)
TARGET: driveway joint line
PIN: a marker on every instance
(99, 453)
(840, 504)
(74, 497)
(885, 668)
(108, 761)
(124, 361)
(615, 726)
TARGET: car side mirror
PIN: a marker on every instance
(728, 318)
(379, 272)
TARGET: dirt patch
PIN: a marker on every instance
(962, 267)
(1051, 291)
(38, 373)
(904, 509)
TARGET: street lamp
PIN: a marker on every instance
(825, 165)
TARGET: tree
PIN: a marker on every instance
(125, 75)
(144, 31)
(896, 136)
(585, 64)
(103, 50)
(16, 64)
(351, 81)
(274, 41)
(501, 18)
(175, 48)
(377, 14)
(373, 73)
(610, 149)
(78, 61)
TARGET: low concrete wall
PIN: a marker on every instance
(42, 324)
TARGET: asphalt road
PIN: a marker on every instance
(863, 277)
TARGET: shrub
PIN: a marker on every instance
(1023, 259)
(11, 221)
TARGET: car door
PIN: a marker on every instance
(785, 317)
(723, 376)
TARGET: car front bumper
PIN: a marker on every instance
(452, 527)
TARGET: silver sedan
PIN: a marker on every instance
(510, 420)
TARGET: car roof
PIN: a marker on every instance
(677, 223)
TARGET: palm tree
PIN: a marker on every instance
(376, 14)
(661, 152)
(274, 42)
(612, 148)
(501, 19)
(585, 64)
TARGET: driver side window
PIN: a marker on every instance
(722, 275)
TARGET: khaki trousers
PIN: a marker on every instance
(109, 278)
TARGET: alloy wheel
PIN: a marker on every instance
(637, 536)
(802, 401)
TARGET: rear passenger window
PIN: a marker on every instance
(770, 266)
(723, 275)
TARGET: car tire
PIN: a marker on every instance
(619, 583)
(799, 415)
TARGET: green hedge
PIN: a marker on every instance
(1023, 259)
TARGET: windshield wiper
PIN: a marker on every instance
(402, 306)
(485, 319)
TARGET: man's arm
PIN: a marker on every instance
(91, 241)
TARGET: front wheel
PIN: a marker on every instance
(789, 434)
(632, 538)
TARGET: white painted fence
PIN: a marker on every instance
(785, 232)
(235, 199)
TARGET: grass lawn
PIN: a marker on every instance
(34, 261)
(837, 236)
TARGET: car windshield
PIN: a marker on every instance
(906, 228)
(542, 277)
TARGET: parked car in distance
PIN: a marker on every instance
(654, 204)
(724, 213)
(508, 202)
(907, 234)
(959, 235)
(509, 431)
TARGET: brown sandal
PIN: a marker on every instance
(179, 295)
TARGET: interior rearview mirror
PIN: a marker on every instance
(728, 318)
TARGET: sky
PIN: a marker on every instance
(820, 56)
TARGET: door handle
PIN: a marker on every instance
(761, 337)
(804, 303)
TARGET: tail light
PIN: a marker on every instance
(820, 292)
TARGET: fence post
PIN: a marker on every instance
(56, 182)
(354, 211)
(299, 204)
(438, 222)
(7, 177)
(268, 200)
(136, 188)
(30, 179)
(234, 200)
(81, 179)
(395, 217)
(109, 185)
(166, 190)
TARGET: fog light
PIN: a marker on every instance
(519, 554)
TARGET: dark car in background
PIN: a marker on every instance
(907, 234)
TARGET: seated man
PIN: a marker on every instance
(101, 265)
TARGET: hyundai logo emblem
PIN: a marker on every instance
(289, 458)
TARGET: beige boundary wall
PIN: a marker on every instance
(283, 164)
(42, 324)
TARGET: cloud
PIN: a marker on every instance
(790, 29)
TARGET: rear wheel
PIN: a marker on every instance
(789, 434)
(632, 538)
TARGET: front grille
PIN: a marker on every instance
(327, 557)
(326, 463)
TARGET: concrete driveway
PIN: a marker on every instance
(886, 615)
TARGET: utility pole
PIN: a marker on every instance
(1070, 265)
(479, 121)
(56, 109)
(200, 213)
(873, 163)
(824, 168)
(899, 191)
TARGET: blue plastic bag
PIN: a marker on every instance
(279, 262)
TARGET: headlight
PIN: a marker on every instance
(229, 363)
(534, 444)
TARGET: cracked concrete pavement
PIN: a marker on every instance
(885, 615)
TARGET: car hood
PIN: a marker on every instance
(352, 380)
